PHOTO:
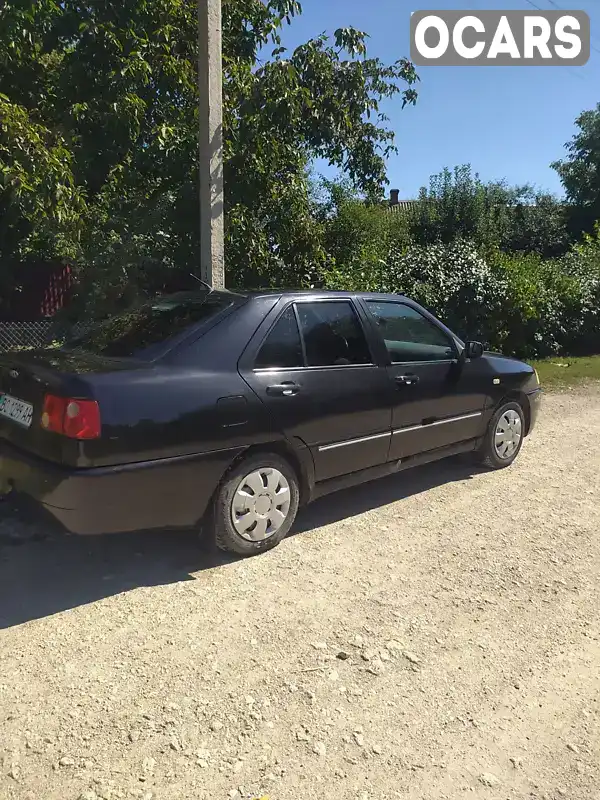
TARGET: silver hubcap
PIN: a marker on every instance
(261, 504)
(508, 434)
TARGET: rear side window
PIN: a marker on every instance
(330, 332)
(282, 347)
(333, 335)
(142, 332)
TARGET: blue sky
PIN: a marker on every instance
(508, 122)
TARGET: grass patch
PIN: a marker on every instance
(562, 373)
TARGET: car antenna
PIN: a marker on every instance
(204, 283)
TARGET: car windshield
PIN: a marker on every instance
(143, 331)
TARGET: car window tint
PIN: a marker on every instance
(142, 332)
(282, 347)
(408, 335)
(333, 335)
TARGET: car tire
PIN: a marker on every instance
(256, 505)
(504, 437)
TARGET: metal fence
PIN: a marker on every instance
(40, 333)
(15, 335)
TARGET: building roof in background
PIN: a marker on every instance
(404, 205)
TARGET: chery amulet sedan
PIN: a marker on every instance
(227, 411)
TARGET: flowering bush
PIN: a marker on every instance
(518, 303)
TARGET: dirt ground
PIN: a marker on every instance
(432, 635)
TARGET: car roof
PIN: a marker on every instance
(314, 293)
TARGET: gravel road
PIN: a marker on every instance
(431, 635)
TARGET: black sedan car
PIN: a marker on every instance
(227, 411)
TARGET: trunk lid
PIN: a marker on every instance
(26, 378)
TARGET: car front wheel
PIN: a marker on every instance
(256, 505)
(504, 437)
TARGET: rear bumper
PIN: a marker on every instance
(167, 493)
(535, 403)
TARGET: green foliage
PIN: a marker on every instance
(458, 204)
(510, 279)
(540, 303)
(357, 236)
(540, 224)
(40, 202)
(580, 170)
(114, 85)
(452, 280)
(98, 165)
(519, 304)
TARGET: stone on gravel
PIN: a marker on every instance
(412, 657)
(320, 749)
(487, 779)
(368, 655)
(148, 765)
(393, 646)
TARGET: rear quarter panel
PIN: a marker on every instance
(193, 402)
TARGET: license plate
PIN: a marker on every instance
(15, 409)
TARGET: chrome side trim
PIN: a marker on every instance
(412, 428)
(354, 441)
(439, 422)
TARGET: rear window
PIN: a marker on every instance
(142, 332)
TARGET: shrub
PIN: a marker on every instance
(358, 237)
(520, 304)
(452, 281)
(459, 205)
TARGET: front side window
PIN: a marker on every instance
(408, 335)
(332, 333)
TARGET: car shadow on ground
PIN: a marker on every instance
(43, 572)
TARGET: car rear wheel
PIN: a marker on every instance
(256, 505)
(504, 437)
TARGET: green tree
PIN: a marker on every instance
(539, 224)
(358, 236)
(40, 203)
(115, 83)
(580, 170)
(457, 204)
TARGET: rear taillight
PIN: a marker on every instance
(77, 419)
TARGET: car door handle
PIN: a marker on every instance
(406, 380)
(287, 389)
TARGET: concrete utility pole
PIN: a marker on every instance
(210, 83)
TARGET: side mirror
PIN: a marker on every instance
(473, 350)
